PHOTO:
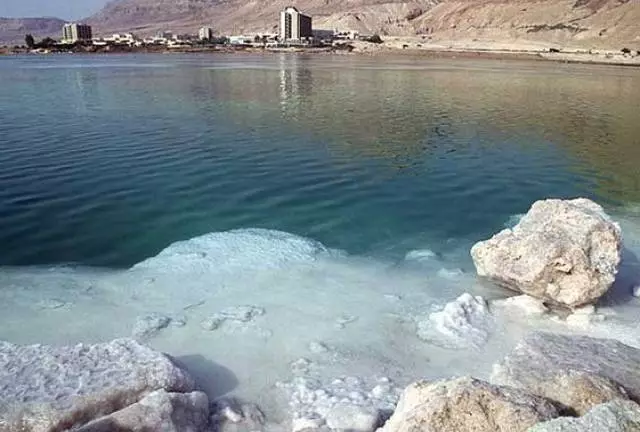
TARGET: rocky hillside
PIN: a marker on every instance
(13, 30)
(239, 16)
(587, 24)
(580, 23)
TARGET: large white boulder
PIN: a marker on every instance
(158, 411)
(55, 388)
(541, 358)
(467, 405)
(615, 416)
(565, 252)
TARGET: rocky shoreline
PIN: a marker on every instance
(562, 257)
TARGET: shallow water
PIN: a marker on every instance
(378, 177)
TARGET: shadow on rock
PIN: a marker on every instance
(213, 379)
(627, 278)
(108, 425)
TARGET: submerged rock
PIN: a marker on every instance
(467, 405)
(147, 326)
(542, 357)
(615, 416)
(344, 320)
(52, 303)
(562, 251)
(212, 323)
(54, 388)
(241, 313)
(158, 411)
(463, 323)
(318, 347)
(235, 314)
(231, 415)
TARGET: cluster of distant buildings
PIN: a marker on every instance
(295, 28)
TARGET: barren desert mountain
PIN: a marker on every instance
(610, 24)
(240, 16)
(580, 23)
(597, 24)
(13, 30)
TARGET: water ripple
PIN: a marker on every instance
(130, 154)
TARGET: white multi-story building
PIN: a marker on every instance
(241, 40)
(122, 39)
(294, 26)
(74, 32)
(205, 33)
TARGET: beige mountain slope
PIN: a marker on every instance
(13, 30)
(578, 23)
(247, 16)
(582, 23)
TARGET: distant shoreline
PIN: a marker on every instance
(386, 50)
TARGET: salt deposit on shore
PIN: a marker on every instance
(311, 336)
(525, 50)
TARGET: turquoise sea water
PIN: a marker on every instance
(336, 197)
(106, 160)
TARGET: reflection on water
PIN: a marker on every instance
(296, 84)
(363, 154)
(401, 112)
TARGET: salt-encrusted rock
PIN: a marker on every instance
(231, 415)
(45, 388)
(353, 418)
(615, 416)
(235, 314)
(178, 321)
(541, 357)
(300, 366)
(344, 320)
(241, 313)
(463, 323)
(584, 316)
(562, 251)
(52, 303)
(578, 391)
(149, 325)
(310, 422)
(523, 304)
(158, 411)
(421, 255)
(317, 347)
(467, 405)
(346, 403)
(211, 323)
(450, 273)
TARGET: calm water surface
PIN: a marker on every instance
(104, 161)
